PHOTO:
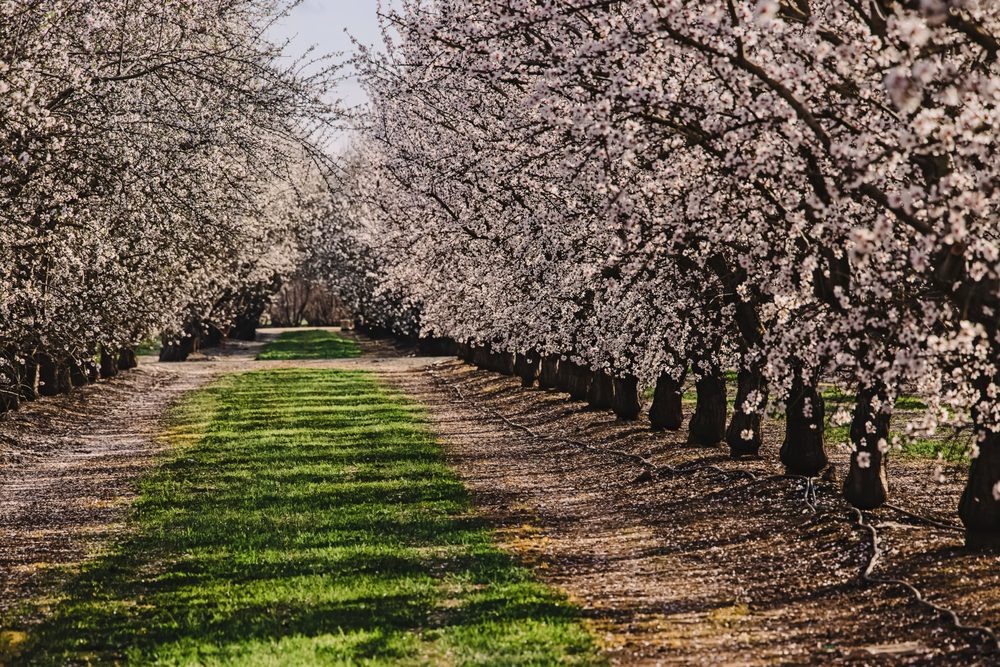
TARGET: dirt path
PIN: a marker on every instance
(700, 568)
(682, 569)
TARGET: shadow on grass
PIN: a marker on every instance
(319, 529)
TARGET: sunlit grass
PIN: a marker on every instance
(309, 344)
(306, 518)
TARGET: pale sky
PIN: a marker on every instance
(322, 23)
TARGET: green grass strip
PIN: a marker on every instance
(306, 517)
(309, 344)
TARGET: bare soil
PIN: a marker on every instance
(693, 568)
(703, 568)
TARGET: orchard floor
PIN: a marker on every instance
(680, 569)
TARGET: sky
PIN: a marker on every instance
(322, 23)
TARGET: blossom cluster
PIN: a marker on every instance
(798, 189)
(154, 166)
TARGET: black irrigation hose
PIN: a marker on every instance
(809, 499)
(866, 576)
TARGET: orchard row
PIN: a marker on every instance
(643, 192)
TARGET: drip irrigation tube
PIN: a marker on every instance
(809, 498)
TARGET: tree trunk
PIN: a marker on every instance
(169, 352)
(526, 368)
(481, 358)
(127, 359)
(625, 400)
(109, 362)
(29, 378)
(708, 423)
(866, 486)
(77, 373)
(246, 323)
(564, 381)
(548, 375)
(574, 380)
(979, 507)
(48, 372)
(667, 413)
(601, 393)
(213, 336)
(802, 451)
(743, 424)
(504, 363)
(10, 396)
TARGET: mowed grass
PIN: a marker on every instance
(309, 344)
(306, 517)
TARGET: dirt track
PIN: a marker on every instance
(681, 569)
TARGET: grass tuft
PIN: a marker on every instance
(309, 344)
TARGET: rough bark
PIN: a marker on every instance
(867, 486)
(29, 378)
(78, 372)
(109, 363)
(748, 381)
(601, 393)
(503, 363)
(53, 376)
(708, 423)
(10, 397)
(548, 374)
(526, 367)
(666, 413)
(481, 358)
(127, 359)
(574, 379)
(979, 507)
(625, 400)
(802, 451)
(564, 379)
(171, 351)
(246, 323)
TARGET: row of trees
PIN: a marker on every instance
(155, 168)
(637, 192)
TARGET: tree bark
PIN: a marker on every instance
(574, 380)
(802, 451)
(867, 486)
(601, 392)
(481, 358)
(10, 396)
(667, 413)
(29, 378)
(78, 373)
(504, 363)
(169, 352)
(526, 367)
(109, 362)
(48, 383)
(979, 507)
(53, 376)
(748, 382)
(127, 359)
(625, 400)
(708, 423)
(548, 375)
(564, 381)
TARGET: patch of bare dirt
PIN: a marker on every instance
(693, 568)
(704, 568)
